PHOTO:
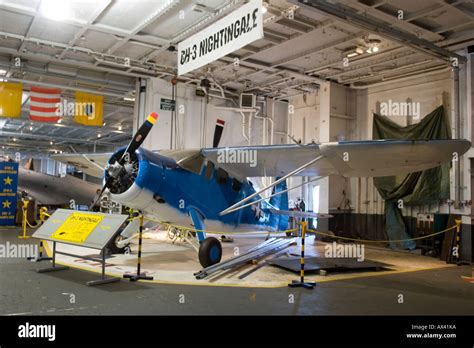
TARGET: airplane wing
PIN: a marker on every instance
(92, 163)
(349, 158)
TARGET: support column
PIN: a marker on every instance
(324, 137)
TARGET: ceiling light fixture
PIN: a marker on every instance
(353, 51)
(99, 135)
(264, 7)
(55, 10)
(120, 127)
(2, 72)
(129, 99)
(373, 45)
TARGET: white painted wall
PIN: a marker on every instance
(323, 116)
(197, 121)
(430, 91)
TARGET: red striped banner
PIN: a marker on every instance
(44, 104)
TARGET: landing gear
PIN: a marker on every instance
(115, 246)
(210, 252)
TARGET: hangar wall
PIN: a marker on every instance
(429, 91)
(197, 115)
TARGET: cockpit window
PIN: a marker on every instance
(222, 176)
(209, 169)
(193, 164)
(236, 185)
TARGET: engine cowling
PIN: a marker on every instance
(137, 182)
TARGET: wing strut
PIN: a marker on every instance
(283, 178)
(275, 194)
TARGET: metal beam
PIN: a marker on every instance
(346, 14)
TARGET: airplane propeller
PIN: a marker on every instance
(115, 169)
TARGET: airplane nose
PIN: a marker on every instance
(124, 178)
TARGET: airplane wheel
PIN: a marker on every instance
(210, 252)
(114, 248)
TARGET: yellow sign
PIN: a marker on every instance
(77, 227)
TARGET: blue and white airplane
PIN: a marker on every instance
(208, 189)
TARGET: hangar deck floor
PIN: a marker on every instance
(23, 291)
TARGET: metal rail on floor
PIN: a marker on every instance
(268, 247)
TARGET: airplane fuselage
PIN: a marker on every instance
(167, 192)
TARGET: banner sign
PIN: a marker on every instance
(167, 104)
(8, 188)
(227, 35)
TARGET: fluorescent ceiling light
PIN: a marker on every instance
(55, 10)
(2, 72)
(129, 99)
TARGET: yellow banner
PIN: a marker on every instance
(89, 109)
(10, 99)
(77, 227)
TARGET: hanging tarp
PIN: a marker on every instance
(420, 188)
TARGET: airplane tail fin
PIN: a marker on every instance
(280, 202)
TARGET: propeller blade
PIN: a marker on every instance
(135, 143)
(139, 136)
(218, 132)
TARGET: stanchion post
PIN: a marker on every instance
(43, 214)
(139, 275)
(458, 239)
(301, 283)
(24, 208)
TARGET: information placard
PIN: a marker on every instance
(77, 227)
(8, 188)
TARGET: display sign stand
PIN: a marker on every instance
(54, 268)
(90, 230)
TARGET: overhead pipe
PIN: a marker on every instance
(404, 77)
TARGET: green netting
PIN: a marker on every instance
(420, 188)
